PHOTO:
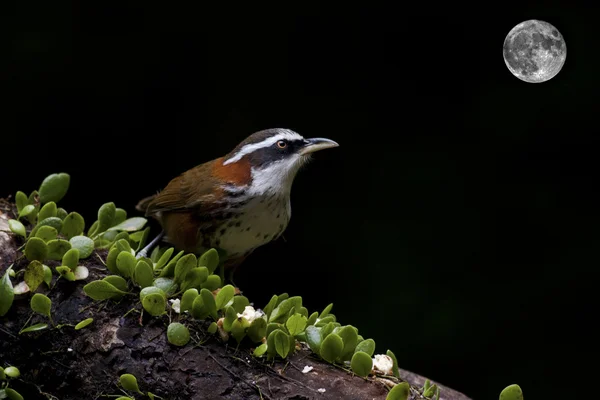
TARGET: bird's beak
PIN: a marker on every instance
(316, 144)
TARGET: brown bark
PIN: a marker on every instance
(85, 364)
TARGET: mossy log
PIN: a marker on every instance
(64, 363)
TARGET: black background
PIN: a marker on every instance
(456, 224)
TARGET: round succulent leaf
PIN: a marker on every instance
(224, 296)
(313, 318)
(41, 304)
(66, 272)
(61, 213)
(117, 281)
(12, 394)
(313, 338)
(129, 382)
(54, 187)
(71, 258)
(28, 211)
(210, 260)
(366, 346)
(151, 290)
(47, 274)
(111, 260)
(46, 233)
(169, 270)
(36, 249)
(93, 229)
(324, 321)
(34, 275)
(102, 290)
(126, 264)
(281, 298)
(296, 324)
(395, 370)
(195, 277)
(141, 237)
(143, 274)
(154, 304)
(212, 328)
(512, 392)
(240, 303)
(84, 244)
(350, 337)
(57, 249)
(282, 343)
(12, 372)
(164, 258)
(183, 266)
(187, 299)
(7, 294)
(284, 308)
(73, 225)
(198, 310)
(178, 334)
(34, 328)
(120, 235)
(257, 330)
(230, 316)
(260, 350)
(48, 210)
(331, 347)
(125, 398)
(173, 262)
(213, 282)
(238, 331)
(209, 302)
(106, 216)
(130, 225)
(399, 392)
(111, 236)
(270, 306)
(84, 323)
(361, 364)
(21, 200)
(17, 227)
(120, 216)
(167, 285)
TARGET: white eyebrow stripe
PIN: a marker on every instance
(250, 148)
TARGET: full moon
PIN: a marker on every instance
(534, 51)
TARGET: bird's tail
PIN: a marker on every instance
(142, 205)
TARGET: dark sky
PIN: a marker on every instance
(456, 224)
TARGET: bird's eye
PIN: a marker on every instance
(282, 144)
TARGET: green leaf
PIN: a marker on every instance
(296, 324)
(93, 229)
(238, 331)
(313, 338)
(54, 222)
(17, 227)
(281, 298)
(154, 304)
(196, 277)
(282, 343)
(331, 347)
(151, 290)
(213, 282)
(2, 376)
(71, 258)
(164, 258)
(209, 303)
(284, 308)
(106, 215)
(12, 394)
(7, 294)
(399, 392)
(198, 310)
(212, 328)
(143, 274)
(512, 392)
(84, 244)
(66, 272)
(34, 275)
(313, 318)
(260, 350)
(430, 391)
(47, 274)
(141, 238)
(240, 303)
(167, 285)
(57, 248)
(54, 187)
(29, 211)
(361, 364)
(34, 328)
(230, 316)
(46, 233)
(73, 225)
(187, 300)
(84, 323)
(47, 211)
(102, 290)
(129, 382)
(178, 334)
(61, 213)
(326, 311)
(183, 266)
(111, 260)
(130, 225)
(12, 372)
(257, 330)
(120, 216)
(21, 200)
(366, 346)
(270, 306)
(36, 249)
(126, 264)
(349, 335)
(210, 260)
(41, 304)
(395, 371)
(224, 296)
(117, 281)
(324, 321)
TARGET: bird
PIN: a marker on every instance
(235, 203)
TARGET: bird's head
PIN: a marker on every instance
(274, 156)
